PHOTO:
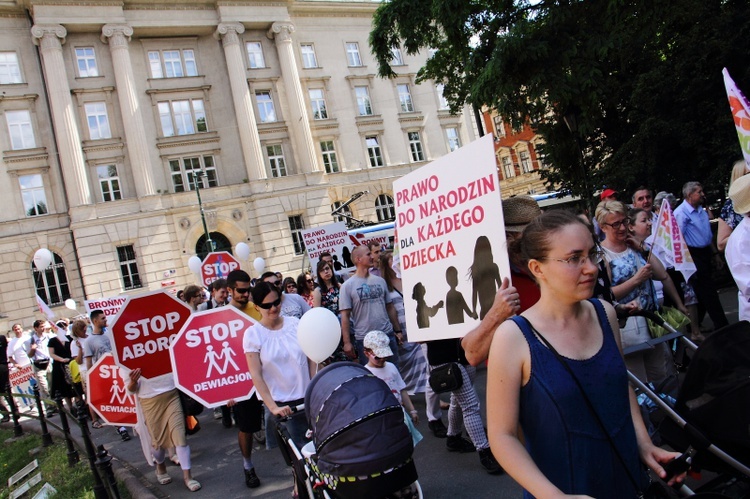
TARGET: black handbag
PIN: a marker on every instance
(446, 378)
(190, 406)
(41, 364)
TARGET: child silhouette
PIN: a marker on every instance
(423, 311)
(455, 304)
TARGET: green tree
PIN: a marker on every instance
(642, 78)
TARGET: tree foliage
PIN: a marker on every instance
(643, 78)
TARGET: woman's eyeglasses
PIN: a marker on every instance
(577, 261)
(617, 225)
(267, 306)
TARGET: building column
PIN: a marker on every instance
(229, 33)
(50, 38)
(118, 37)
(299, 122)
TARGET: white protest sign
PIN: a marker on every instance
(451, 242)
(110, 306)
(332, 238)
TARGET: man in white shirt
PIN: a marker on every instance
(219, 293)
(17, 355)
(38, 352)
(738, 245)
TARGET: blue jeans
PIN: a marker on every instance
(297, 426)
(394, 348)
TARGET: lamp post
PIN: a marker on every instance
(198, 177)
(571, 121)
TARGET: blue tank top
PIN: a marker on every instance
(562, 436)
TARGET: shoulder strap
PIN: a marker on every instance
(586, 398)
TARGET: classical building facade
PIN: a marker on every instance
(111, 111)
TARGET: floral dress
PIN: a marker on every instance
(728, 214)
(330, 300)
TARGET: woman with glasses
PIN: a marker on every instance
(278, 366)
(631, 281)
(289, 286)
(583, 435)
(327, 295)
(305, 287)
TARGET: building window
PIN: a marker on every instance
(10, 72)
(396, 58)
(255, 55)
(182, 117)
(308, 56)
(374, 152)
(525, 160)
(454, 142)
(384, 208)
(442, 101)
(32, 193)
(508, 170)
(183, 172)
(172, 63)
(276, 160)
(415, 146)
(128, 267)
(20, 129)
(86, 62)
(51, 283)
(318, 104)
(499, 126)
(109, 182)
(352, 54)
(342, 216)
(329, 156)
(364, 105)
(296, 226)
(266, 109)
(404, 97)
(96, 117)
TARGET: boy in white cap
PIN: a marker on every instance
(377, 349)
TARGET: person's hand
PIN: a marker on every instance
(655, 457)
(399, 338)
(440, 304)
(643, 274)
(683, 309)
(135, 375)
(231, 403)
(283, 411)
(414, 417)
(349, 351)
(507, 301)
(634, 242)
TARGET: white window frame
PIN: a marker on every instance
(404, 98)
(415, 146)
(397, 58)
(97, 120)
(453, 138)
(499, 126)
(33, 195)
(374, 151)
(318, 103)
(51, 281)
(86, 64)
(255, 58)
(296, 226)
(364, 102)
(184, 168)
(330, 160)
(162, 62)
(131, 278)
(385, 208)
(353, 56)
(509, 170)
(524, 158)
(109, 182)
(442, 101)
(309, 58)
(276, 160)
(266, 107)
(10, 70)
(20, 129)
(173, 116)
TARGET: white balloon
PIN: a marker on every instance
(259, 264)
(242, 250)
(43, 258)
(319, 333)
(194, 264)
(70, 303)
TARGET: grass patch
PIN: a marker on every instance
(73, 482)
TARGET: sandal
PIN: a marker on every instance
(193, 485)
(163, 479)
(97, 425)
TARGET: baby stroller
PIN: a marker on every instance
(361, 446)
(710, 419)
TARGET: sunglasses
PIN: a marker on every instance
(291, 285)
(242, 291)
(310, 280)
(267, 306)
(273, 283)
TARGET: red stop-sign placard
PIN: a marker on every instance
(108, 395)
(217, 265)
(208, 359)
(143, 329)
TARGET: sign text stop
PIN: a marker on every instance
(108, 395)
(208, 359)
(143, 329)
(217, 265)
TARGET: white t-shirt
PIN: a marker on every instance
(74, 350)
(149, 388)
(283, 363)
(389, 373)
(17, 350)
(293, 305)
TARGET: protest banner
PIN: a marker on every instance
(669, 243)
(107, 393)
(20, 382)
(451, 242)
(332, 238)
(110, 305)
(217, 265)
(740, 107)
